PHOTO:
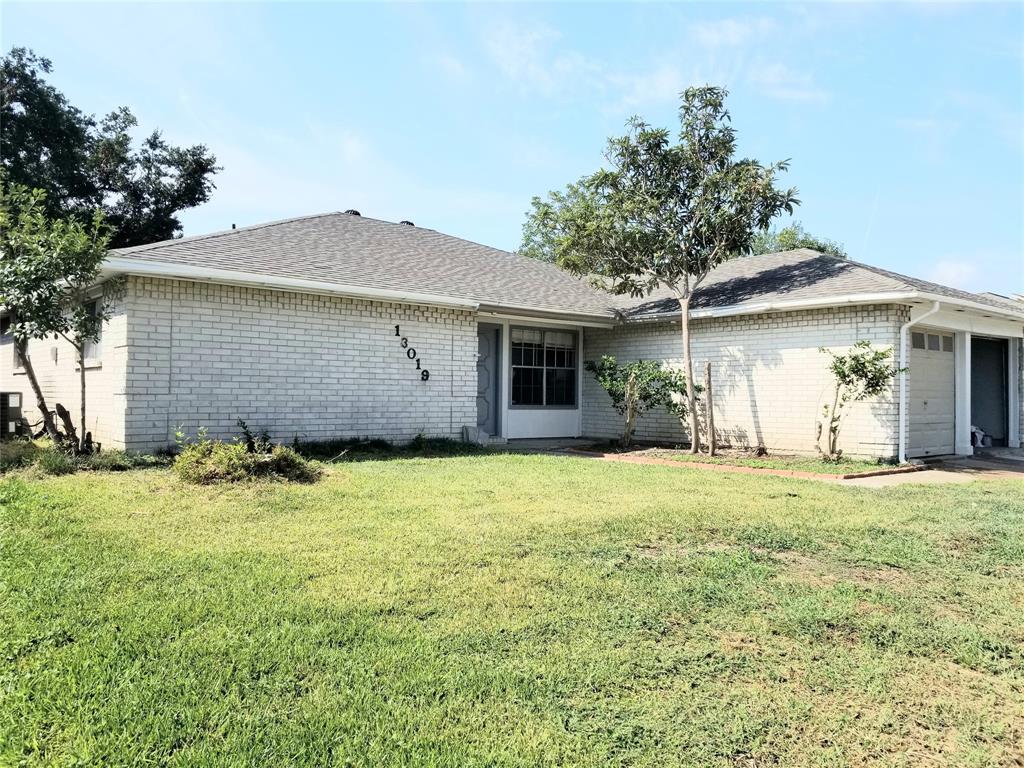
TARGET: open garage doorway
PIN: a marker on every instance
(990, 389)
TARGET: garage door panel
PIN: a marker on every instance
(932, 399)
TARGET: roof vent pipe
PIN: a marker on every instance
(353, 212)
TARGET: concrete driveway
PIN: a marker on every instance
(954, 470)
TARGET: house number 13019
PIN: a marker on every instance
(410, 352)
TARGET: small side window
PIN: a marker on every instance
(917, 340)
(947, 343)
(933, 342)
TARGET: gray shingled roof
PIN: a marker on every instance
(361, 252)
(796, 275)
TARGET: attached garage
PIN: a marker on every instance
(932, 394)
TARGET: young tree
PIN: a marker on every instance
(662, 214)
(83, 164)
(46, 273)
(792, 237)
(861, 373)
(637, 387)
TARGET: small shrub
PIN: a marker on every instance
(214, 461)
(56, 462)
(15, 454)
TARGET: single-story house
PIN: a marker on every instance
(339, 325)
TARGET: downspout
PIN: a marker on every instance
(904, 353)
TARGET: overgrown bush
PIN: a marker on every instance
(216, 461)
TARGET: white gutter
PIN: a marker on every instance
(816, 303)
(117, 264)
(833, 301)
(904, 395)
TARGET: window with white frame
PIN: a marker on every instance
(544, 368)
(7, 336)
(93, 349)
(932, 342)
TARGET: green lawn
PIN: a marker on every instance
(510, 610)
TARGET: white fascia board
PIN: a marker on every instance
(120, 265)
(548, 316)
(892, 297)
(976, 306)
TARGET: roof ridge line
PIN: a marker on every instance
(222, 233)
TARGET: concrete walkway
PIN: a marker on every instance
(956, 470)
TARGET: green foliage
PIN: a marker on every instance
(47, 266)
(862, 373)
(637, 387)
(662, 214)
(792, 237)
(47, 278)
(53, 460)
(84, 164)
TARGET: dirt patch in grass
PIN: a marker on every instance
(815, 572)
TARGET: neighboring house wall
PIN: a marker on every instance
(56, 367)
(770, 381)
(316, 367)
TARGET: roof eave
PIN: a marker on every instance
(143, 268)
(888, 297)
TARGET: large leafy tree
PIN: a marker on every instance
(792, 237)
(48, 271)
(84, 164)
(662, 214)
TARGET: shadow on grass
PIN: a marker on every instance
(367, 449)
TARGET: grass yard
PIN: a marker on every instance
(510, 610)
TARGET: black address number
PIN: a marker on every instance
(410, 352)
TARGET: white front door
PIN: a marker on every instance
(932, 394)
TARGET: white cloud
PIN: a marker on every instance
(786, 84)
(452, 67)
(732, 32)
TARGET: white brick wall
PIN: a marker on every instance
(294, 364)
(57, 370)
(770, 381)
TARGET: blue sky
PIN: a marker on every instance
(904, 122)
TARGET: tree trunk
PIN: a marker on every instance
(69, 426)
(691, 395)
(709, 413)
(48, 423)
(630, 400)
(81, 371)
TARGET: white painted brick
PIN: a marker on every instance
(770, 381)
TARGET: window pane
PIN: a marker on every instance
(526, 336)
(560, 339)
(561, 386)
(947, 343)
(527, 386)
(933, 342)
(917, 340)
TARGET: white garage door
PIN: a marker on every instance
(932, 394)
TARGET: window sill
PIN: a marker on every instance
(544, 407)
(89, 365)
(19, 371)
